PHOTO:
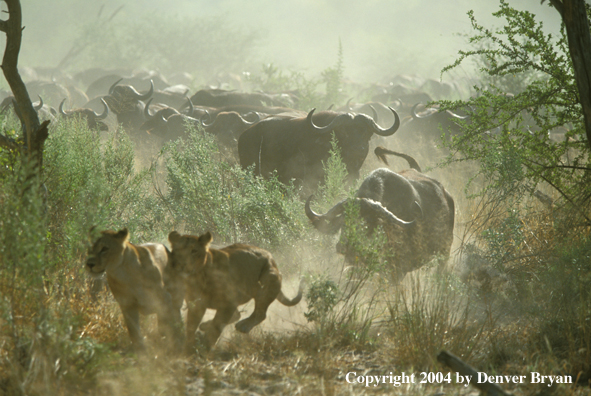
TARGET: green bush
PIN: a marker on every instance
(44, 223)
(206, 194)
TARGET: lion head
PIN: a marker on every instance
(107, 251)
(189, 252)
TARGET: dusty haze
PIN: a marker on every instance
(380, 38)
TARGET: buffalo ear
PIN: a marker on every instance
(206, 239)
(174, 238)
(122, 235)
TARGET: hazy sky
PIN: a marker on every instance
(380, 38)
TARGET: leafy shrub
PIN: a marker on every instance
(205, 193)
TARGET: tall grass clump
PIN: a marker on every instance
(94, 183)
(564, 307)
(50, 328)
(431, 313)
(205, 193)
(343, 310)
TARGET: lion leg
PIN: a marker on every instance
(265, 296)
(132, 321)
(206, 325)
(170, 322)
(194, 315)
(213, 329)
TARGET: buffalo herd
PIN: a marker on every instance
(265, 133)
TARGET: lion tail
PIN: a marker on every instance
(290, 303)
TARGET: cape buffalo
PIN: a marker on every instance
(296, 147)
(416, 211)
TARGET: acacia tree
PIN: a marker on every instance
(34, 134)
(576, 22)
(512, 137)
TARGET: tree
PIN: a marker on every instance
(575, 19)
(526, 125)
(34, 133)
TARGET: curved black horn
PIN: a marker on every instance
(328, 222)
(40, 105)
(162, 119)
(313, 216)
(147, 114)
(382, 212)
(454, 115)
(105, 112)
(114, 85)
(389, 131)
(415, 115)
(348, 105)
(206, 117)
(256, 115)
(61, 108)
(147, 94)
(335, 123)
(191, 109)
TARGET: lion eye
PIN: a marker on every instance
(104, 249)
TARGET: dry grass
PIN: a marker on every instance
(60, 340)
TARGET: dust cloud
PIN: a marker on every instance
(379, 38)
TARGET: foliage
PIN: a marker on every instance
(335, 175)
(526, 135)
(44, 232)
(205, 193)
(322, 296)
(533, 134)
(431, 314)
(333, 78)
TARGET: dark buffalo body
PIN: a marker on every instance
(222, 98)
(92, 118)
(126, 102)
(296, 147)
(416, 210)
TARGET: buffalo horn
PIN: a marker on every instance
(383, 213)
(389, 131)
(147, 114)
(105, 112)
(147, 94)
(61, 108)
(114, 85)
(335, 123)
(38, 106)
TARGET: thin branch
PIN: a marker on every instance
(8, 143)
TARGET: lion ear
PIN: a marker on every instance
(122, 235)
(206, 239)
(174, 237)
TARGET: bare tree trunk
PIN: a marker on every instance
(574, 16)
(34, 134)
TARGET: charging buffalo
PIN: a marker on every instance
(296, 147)
(416, 211)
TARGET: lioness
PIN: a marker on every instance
(222, 280)
(137, 276)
